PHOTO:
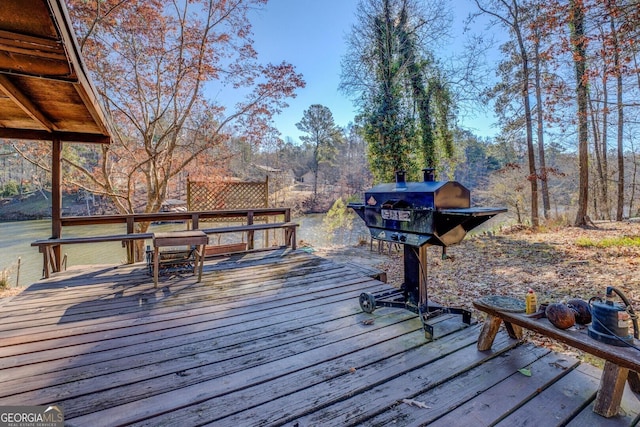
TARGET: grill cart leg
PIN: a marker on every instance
(412, 295)
(369, 302)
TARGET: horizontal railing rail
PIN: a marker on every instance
(193, 216)
(51, 247)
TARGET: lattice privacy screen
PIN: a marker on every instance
(217, 195)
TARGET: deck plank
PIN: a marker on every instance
(446, 396)
(560, 401)
(629, 414)
(97, 302)
(501, 399)
(165, 316)
(302, 359)
(268, 338)
(383, 384)
(253, 335)
(215, 289)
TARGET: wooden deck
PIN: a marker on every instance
(270, 338)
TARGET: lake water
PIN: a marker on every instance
(16, 238)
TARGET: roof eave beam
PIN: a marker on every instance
(40, 135)
(25, 103)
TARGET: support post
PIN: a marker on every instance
(56, 199)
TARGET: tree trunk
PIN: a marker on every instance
(533, 175)
(600, 202)
(600, 145)
(546, 205)
(633, 180)
(616, 64)
(576, 24)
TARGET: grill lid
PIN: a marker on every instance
(419, 213)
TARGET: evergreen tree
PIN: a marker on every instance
(323, 135)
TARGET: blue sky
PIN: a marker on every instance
(310, 34)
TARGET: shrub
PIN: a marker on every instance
(10, 189)
(4, 279)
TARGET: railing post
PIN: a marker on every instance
(250, 233)
(130, 244)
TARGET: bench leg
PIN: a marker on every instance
(156, 256)
(611, 388)
(489, 331)
(634, 381)
(514, 331)
(250, 239)
(199, 261)
(47, 262)
(290, 237)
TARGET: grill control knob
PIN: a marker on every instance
(394, 237)
(403, 238)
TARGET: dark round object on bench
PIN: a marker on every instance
(581, 310)
(560, 315)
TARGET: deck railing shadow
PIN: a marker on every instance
(132, 293)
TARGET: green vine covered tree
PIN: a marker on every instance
(404, 100)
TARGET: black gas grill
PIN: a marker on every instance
(418, 215)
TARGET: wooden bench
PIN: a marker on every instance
(621, 363)
(46, 247)
(289, 229)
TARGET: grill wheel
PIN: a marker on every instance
(367, 302)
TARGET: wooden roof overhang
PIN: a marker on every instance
(45, 90)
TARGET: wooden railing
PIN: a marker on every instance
(194, 217)
(50, 248)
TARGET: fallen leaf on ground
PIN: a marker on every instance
(525, 371)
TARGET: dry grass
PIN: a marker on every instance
(6, 292)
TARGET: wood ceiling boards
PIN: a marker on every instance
(45, 91)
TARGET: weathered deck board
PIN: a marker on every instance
(498, 401)
(443, 397)
(272, 338)
(137, 285)
(332, 381)
(416, 370)
(561, 401)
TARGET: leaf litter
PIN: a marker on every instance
(553, 262)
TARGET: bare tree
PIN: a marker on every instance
(509, 13)
(151, 79)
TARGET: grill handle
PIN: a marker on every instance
(401, 182)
